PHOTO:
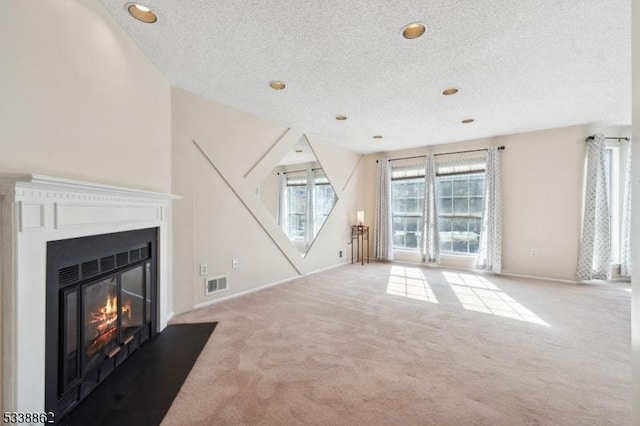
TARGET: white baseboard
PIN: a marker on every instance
(161, 326)
(265, 286)
(244, 293)
(505, 274)
(286, 280)
(561, 280)
(535, 277)
(337, 265)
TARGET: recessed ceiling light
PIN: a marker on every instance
(341, 117)
(277, 85)
(414, 30)
(142, 13)
(467, 120)
(450, 91)
(377, 137)
(299, 150)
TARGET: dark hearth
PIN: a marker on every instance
(143, 389)
(101, 305)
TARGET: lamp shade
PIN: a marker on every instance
(360, 217)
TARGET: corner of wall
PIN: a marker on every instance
(219, 157)
(635, 228)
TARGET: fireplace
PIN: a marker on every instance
(101, 298)
(123, 286)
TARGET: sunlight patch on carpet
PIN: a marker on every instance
(480, 295)
(410, 282)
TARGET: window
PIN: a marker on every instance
(324, 198)
(297, 207)
(408, 201)
(460, 205)
(460, 188)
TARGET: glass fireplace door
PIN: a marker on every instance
(100, 308)
(133, 300)
(69, 363)
(100, 316)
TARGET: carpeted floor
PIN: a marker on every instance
(391, 344)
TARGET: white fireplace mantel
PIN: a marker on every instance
(36, 209)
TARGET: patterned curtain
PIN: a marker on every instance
(490, 246)
(430, 243)
(283, 214)
(625, 251)
(383, 248)
(594, 261)
(310, 214)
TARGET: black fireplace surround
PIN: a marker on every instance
(101, 305)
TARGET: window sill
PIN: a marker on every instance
(459, 255)
(406, 251)
(445, 254)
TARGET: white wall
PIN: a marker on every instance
(270, 191)
(78, 99)
(542, 197)
(635, 231)
(221, 216)
(76, 94)
(343, 168)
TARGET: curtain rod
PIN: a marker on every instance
(444, 153)
(298, 171)
(608, 137)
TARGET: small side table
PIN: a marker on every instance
(360, 234)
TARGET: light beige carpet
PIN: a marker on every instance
(392, 344)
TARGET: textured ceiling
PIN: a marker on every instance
(300, 153)
(519, 65)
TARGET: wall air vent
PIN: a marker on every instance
(216, 284)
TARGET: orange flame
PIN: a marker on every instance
(105, 322)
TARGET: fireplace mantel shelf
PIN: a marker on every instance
(37, 209)
(21, 184)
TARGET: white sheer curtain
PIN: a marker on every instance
(430, 243)
(309, 217)
(490, 246)
(594, 261)
(625, 249)
(383, 248)
(283, 214)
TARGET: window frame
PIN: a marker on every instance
(417, 215)
(452, 215)
(320, 182)
(316, 188)
(291, 214)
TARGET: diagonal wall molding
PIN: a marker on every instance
(270, 159)
(246, 195)
(339, 163)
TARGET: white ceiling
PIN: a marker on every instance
(300, 153)
(519, 65)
